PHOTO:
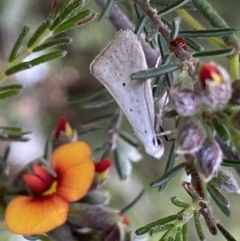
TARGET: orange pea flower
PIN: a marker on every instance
(48, 208)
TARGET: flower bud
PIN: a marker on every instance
(124, 221)
(225, 181)
(184, 100)
(209, 158)
(115, 233)
(63, 133)
(190, 137)
(96, 198)
(101, 170)
(61, 233)
(96, 217)
(213, 86)
(235, 100)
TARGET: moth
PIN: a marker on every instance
(113, 67)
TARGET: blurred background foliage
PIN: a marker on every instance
(43, 101)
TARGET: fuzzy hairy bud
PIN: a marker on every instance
(209, 158)
(184, 100)
(96, 217)
(190, 137)
(225, 181)
(115, 233)
(213, 86)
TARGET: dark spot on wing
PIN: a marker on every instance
(145, 131)
(131, 110)
(124, 84)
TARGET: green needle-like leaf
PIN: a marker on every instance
(157, 223)
(11, 87)
(44, 238)
(87, 97)
(72, 22)
(6, 153)
(185, 231)
(99, 103)
(169, 165)
(140, 26)
(230, 163)
(167, 176)
(2, 164)
(38, 33)
(171, 114)
(188, 6)
(145, 74)
(216, 53)
(225, 233)
(18, 43)
(179, 203)
(123, 165)
(160, 228)
(42, 59)
(8, 94)
(218, 198)
(48, 149)
(179, 236)
(215, 20)
(66, 12)
(191, 190)
(32, 237)
(218, 194)
(220, 129)
(97, 120)
(132, 204)
(129, 138)
(162, 46)
(198, 226)
(173, 7)
(208, 33)
(175, 28)
(106, 12)
(194, 45)
(144, 25)
(82, 134)
(12, 133)
(48, 57)
(106, 152)
(53, 43)
(161, 84)
(17, 68)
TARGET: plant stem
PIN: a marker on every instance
(187, 214)
(234, 67)
(184, 56)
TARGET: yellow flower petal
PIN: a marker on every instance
(74, 168)
(29, 216)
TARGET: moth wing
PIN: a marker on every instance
(113, 67)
